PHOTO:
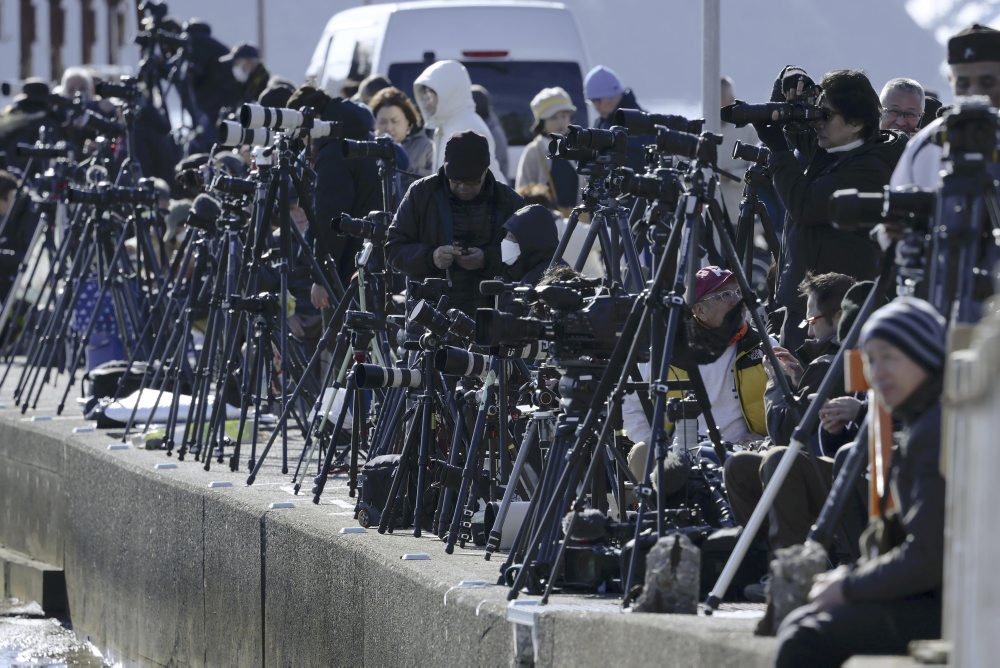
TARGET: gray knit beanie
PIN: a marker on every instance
(913, 326)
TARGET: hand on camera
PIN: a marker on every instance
(444, 256)
(471, 259)
(837, 413)
(791, 84)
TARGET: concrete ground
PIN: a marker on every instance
(163, 568)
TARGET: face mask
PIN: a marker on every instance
(240, 74)
(509, 251)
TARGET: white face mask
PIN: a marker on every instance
(240, 74)
(509, 251)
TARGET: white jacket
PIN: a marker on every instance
(456, 112)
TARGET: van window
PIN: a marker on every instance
(361, 63)
(511, 84)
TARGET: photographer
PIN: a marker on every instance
(851, 152)
(974, 65)
(342, 185)
(450, 224)
(607, 94)
(883, 602)
(531, 241)
(728, 353)
(248, 71)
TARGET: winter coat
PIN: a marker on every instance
(535, 231)
(343, 186)
(810, 242)
(781, 418)
(499, 142)
(913, 565)
(455, 111)
(420, 150)
(535, 167)
(421, 225)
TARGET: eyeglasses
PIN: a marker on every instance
(726, 295)
(811, 320)
(909, 116)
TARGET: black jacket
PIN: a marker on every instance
(419, 227)
(781, 418)
(536, 234)
(343, 186)
(810, 242)
(914, 564)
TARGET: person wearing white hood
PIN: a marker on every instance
(444, 94)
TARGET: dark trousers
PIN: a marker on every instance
(798, 501)
(817, 639)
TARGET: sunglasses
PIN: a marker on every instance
(811, 320)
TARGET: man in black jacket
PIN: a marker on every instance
(449, 224)
(342, 186)
(882, 603)
(849, 151)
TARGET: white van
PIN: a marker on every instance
(513, 48)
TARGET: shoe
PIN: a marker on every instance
(756, 592)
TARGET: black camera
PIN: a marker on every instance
(614, 140)
(969, 130)
(105, 195)
(265, 304)
(126, 88)
(644, 123)
(59, 150)
(363, 321)
(372, 376)
(663, 186)
(741, 114)
(381, 148)
(758, 155)
(853, 210)
(429, 288)
(374, 226)
(233, 186)
(458, 362)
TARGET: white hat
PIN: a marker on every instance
(549, 102)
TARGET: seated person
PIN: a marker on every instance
(530, 243)
(881, 603)
(728, 354)
(747, 473)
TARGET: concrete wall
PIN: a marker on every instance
(163, 570)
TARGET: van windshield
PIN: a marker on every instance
(512, 85)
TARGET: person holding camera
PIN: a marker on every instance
(450, 224)
(843, 149)
(397, 117)
(606, 93)
(884, 601)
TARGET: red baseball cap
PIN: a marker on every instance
(709, 279)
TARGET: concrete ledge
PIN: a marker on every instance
(26, 579)
(162, 569)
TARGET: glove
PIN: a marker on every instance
(788, 80)
(772, 136)
(726, 112)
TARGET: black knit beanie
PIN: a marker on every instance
(913, 326)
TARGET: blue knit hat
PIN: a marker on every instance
(913, 326)
(602, 82)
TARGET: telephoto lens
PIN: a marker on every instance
(854, 210)
(454, 361)
(233, 186)
(644, 123)
(670, 141)
(373, 376)
(774, 112)
(755, 154)
(276, 118)
(234, 134)
(615, 139)
(381, 148)
(429, 318)
(462, 327)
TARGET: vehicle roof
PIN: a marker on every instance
(382, 11)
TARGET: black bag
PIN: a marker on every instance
(715, 551)
(103, 381)
(375, 480)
